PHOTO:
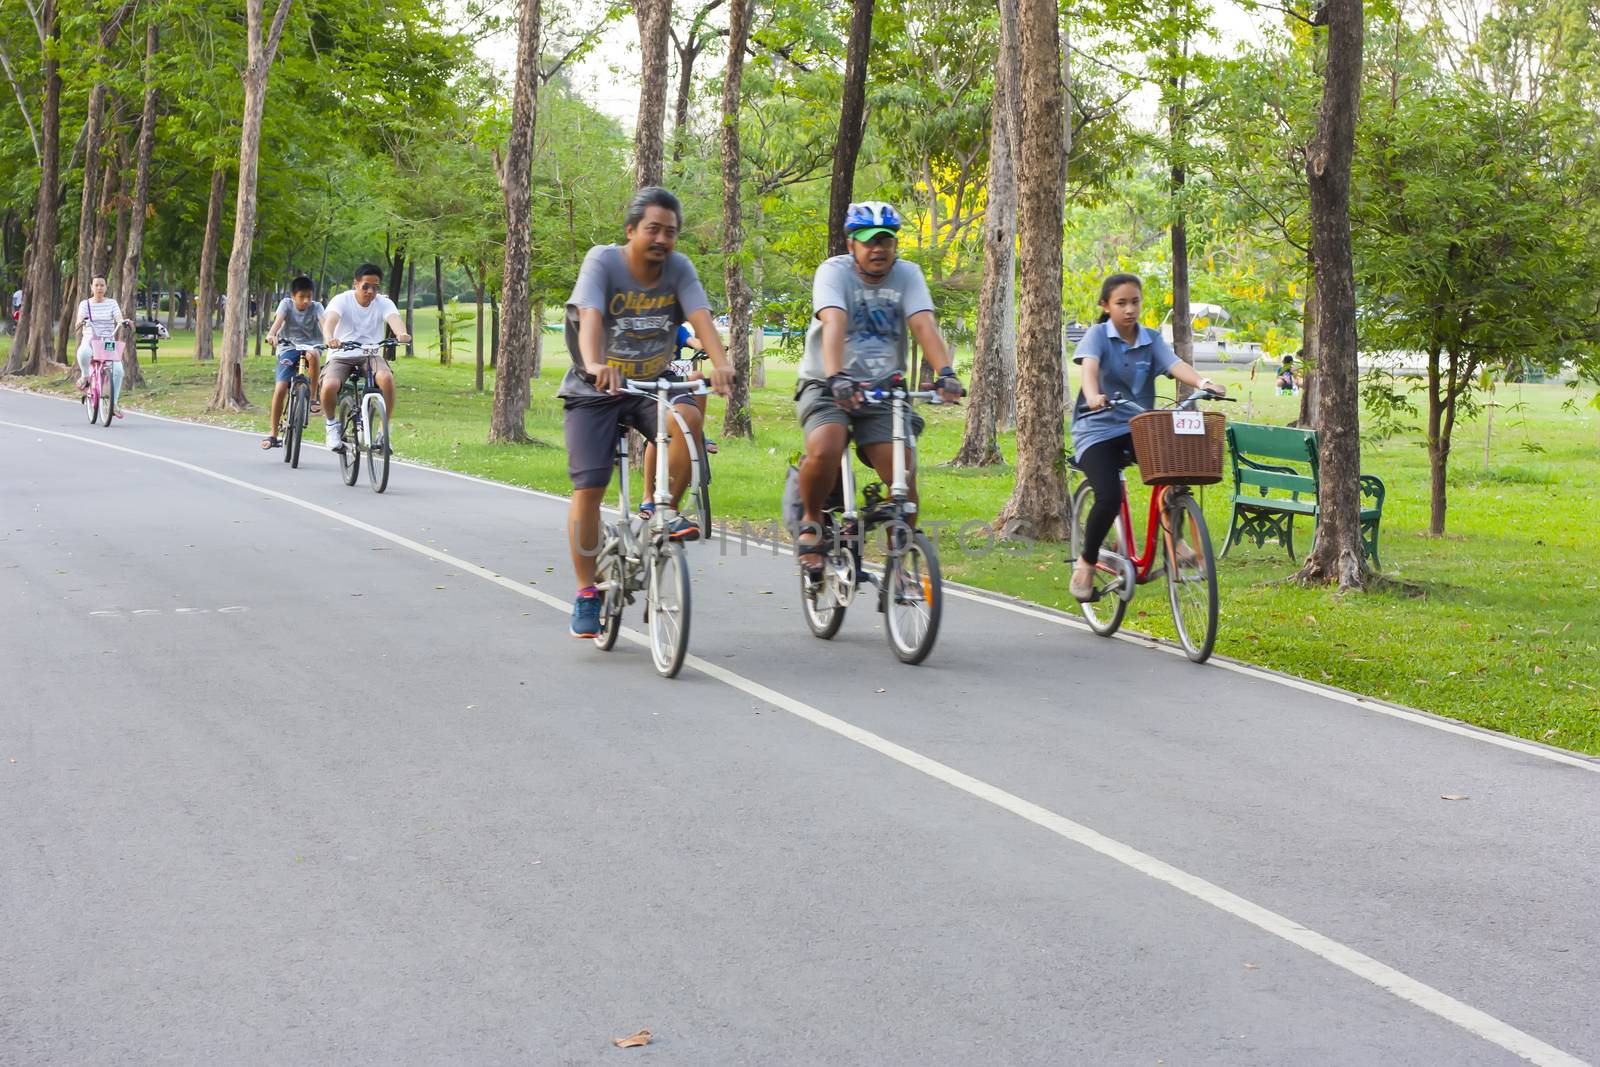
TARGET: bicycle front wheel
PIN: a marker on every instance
(913, 599)
(668, 604)
(91, 400)
(1191, 574)
(350, 454)
(1103, 613)
(295, 432)
(378, 444)
(108, 396)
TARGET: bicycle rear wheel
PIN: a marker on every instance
(697, 500)
(913, 599)
(668, 603)
(350, 454)
(108, 395)
(377, 422)
(1104, 613)
(611, 576)
(1192, 583)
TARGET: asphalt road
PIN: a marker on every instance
(295, 773)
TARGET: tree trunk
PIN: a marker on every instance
(206, 289)
(516, 184)
(1177, 150)
(92, 194)
(236, 321)
(1337, 556)
(32, 351)
(411, 299)
(852, 124)
(654, 17)
(736, 422)
(688, 52)
(996, 332)
(119, 245)
(444, 328)
(494, 330)
(133, 375)
(1310, 360)
(477, 290)
(1038, 505)
(397, 270)
(538, 339)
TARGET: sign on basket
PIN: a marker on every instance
(1188, 423)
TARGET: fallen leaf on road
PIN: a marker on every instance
(639, 1040)
(438, 587)
(1252, 966)
(883, 690)
(1454, 796)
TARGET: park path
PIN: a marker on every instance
(291, 772)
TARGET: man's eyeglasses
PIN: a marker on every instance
(368, 288)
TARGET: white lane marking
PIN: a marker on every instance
(1401, 985)
(996, 600)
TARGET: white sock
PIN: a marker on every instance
(333, 424)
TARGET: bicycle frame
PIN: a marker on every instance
(1143, 563)
(663, 391)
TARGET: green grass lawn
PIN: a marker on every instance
(1495, 624)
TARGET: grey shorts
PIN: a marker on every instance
(591, 427)
(339, 369)
(871, 424)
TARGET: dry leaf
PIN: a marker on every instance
(639, 1040)
(1252, 966)
(883, 690)
(1453, 796)
(1538, 669)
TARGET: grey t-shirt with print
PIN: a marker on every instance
(641, 321)
(300, 327)
(875, 343)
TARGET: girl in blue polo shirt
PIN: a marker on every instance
(1117, 355)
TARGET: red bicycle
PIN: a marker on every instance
(1187, 560)
(100, 389)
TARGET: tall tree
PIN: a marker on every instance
(1337, 556)
(994, 361)
(736, 423)
(688, 49)
(852, 123)
(134, 254)
(654, 17)
(32, 351)
(1038, 505)
(205, 302)
(261, 50)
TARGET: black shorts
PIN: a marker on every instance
(591, 427)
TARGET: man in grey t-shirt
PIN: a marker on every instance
(864, 304)
(622, 322)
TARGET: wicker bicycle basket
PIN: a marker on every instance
(1168, 458)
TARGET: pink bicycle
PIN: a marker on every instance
(100, 392)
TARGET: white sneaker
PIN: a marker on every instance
(333, 439)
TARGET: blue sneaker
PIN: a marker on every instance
(586, 616)
(681, 529)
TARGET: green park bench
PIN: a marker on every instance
(1267, 497)
(147, 335)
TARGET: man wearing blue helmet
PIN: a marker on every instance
(865, 304)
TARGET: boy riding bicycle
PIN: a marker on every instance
(358, 315)
(622, 322)
(864, 305)
(298, 322)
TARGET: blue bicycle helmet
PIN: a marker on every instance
(868, 219)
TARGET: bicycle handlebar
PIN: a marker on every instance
(877, 396)
(651, 387)
(351, 346)
(1117, 400)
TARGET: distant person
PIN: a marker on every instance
(358, 314)
(16, 305)
(99, 319)
(298, 322)
(1286, 382)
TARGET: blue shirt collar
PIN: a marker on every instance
(1146, 336)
